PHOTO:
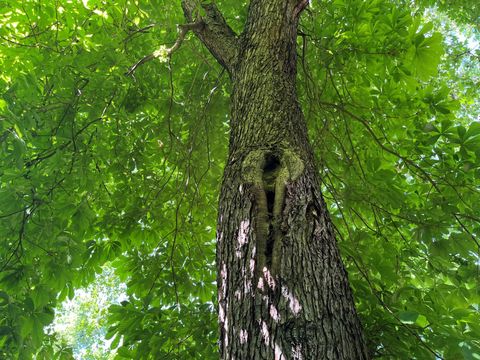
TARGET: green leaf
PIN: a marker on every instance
(473, 130)
(3, 104)
(470, 351)
(421, 321)
(5, 330)
(408, 317)
(26, 326)
(41, 296)
(4, 298)
(425, 54)
(115, 342)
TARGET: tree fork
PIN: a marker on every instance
(283, 291)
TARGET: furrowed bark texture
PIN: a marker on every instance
(283, 291)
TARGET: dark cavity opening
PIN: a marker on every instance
(270, 237)
(271, 163)
(270, 173)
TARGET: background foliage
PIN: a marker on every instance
(97, 167)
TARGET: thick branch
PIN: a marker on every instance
(216, 35)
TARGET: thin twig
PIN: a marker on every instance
(141, 30)
(386, 307)
(183, 29)
(406, 161)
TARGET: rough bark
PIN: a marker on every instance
(283, 291)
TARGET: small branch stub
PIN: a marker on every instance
(302, 4)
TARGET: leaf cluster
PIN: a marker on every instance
(97, 167)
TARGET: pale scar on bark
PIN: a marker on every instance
(269, 171)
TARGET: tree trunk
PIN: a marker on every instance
(283, 291)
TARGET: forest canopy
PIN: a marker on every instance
(107, 166)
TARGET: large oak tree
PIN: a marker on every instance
(282, 289)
